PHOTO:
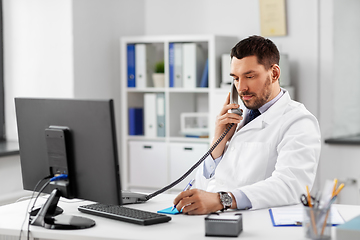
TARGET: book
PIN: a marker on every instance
(131, 65)
(136, 121)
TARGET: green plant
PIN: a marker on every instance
(159, 67)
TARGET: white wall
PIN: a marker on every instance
(98, 26)
(241, 18)
(37, 52)
(62, 49)
(339, 78)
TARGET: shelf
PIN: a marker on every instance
(189, 139)
(346, 140)
(143, 138)
(177, 100)
(189, 90)
(143, 90)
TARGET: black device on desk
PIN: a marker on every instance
(76, 138)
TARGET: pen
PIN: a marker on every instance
(311, 210)
(339, 189)
(334, 195)
(188, 186)
(334, 189)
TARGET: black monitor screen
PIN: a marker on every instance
(91, 145)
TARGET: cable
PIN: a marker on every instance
(171, 185)
(27, 208)
(52, 179)
(40, 191)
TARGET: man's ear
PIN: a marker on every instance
(275, 72)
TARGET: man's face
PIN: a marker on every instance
(253, 82)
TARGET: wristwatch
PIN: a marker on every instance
(226, 200)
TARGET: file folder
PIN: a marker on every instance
(150, 116)
(144, 64)
(205, 76)
(160, 111)
(178, 65)
(171, 65)
(136, 121)
(131, 65)
(193, 64)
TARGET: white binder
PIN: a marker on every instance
(193, 64)
(160, 114)
(150, 118)
(178, 65)
(226, 79)
(144, 64)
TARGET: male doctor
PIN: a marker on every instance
(272, 154)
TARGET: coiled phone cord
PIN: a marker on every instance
(171, 185)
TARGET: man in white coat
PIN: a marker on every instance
(264, 162)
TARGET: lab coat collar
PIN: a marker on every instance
(272, 114)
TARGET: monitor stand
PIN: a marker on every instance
(47, 218)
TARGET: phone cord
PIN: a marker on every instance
(171, 185)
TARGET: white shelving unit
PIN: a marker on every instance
(150, 163)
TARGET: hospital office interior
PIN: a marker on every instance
(70, 49)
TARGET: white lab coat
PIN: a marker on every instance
(272, 158)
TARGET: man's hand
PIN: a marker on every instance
(223, 120)
(197, 201)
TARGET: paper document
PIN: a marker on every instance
(293, 216)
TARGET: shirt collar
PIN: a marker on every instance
(267, 105)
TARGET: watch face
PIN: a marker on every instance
(226, 199)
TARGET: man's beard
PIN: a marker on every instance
(258, 100)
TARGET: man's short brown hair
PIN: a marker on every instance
(264, 49)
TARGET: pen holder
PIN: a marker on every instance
(317, 223)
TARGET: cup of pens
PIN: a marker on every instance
(317, 223)
(317, 211)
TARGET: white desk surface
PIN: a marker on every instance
(256, 224)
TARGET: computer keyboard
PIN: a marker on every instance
(124, 214)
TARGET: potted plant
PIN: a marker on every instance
(158, 75)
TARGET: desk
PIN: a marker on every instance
(256, 224)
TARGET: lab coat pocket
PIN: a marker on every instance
(252, 161)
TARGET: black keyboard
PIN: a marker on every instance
(124, 214)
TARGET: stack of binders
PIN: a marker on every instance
(154, 104)
(188, 65)
(140, 65)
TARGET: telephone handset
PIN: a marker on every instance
(234, 96)
(129, 197)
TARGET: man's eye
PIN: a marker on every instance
(250, 77)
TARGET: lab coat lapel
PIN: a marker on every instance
(265, 119)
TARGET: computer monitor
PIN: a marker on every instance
(74, 137)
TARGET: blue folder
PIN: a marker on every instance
(136, 121)
(171, 64)
(131, 65)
